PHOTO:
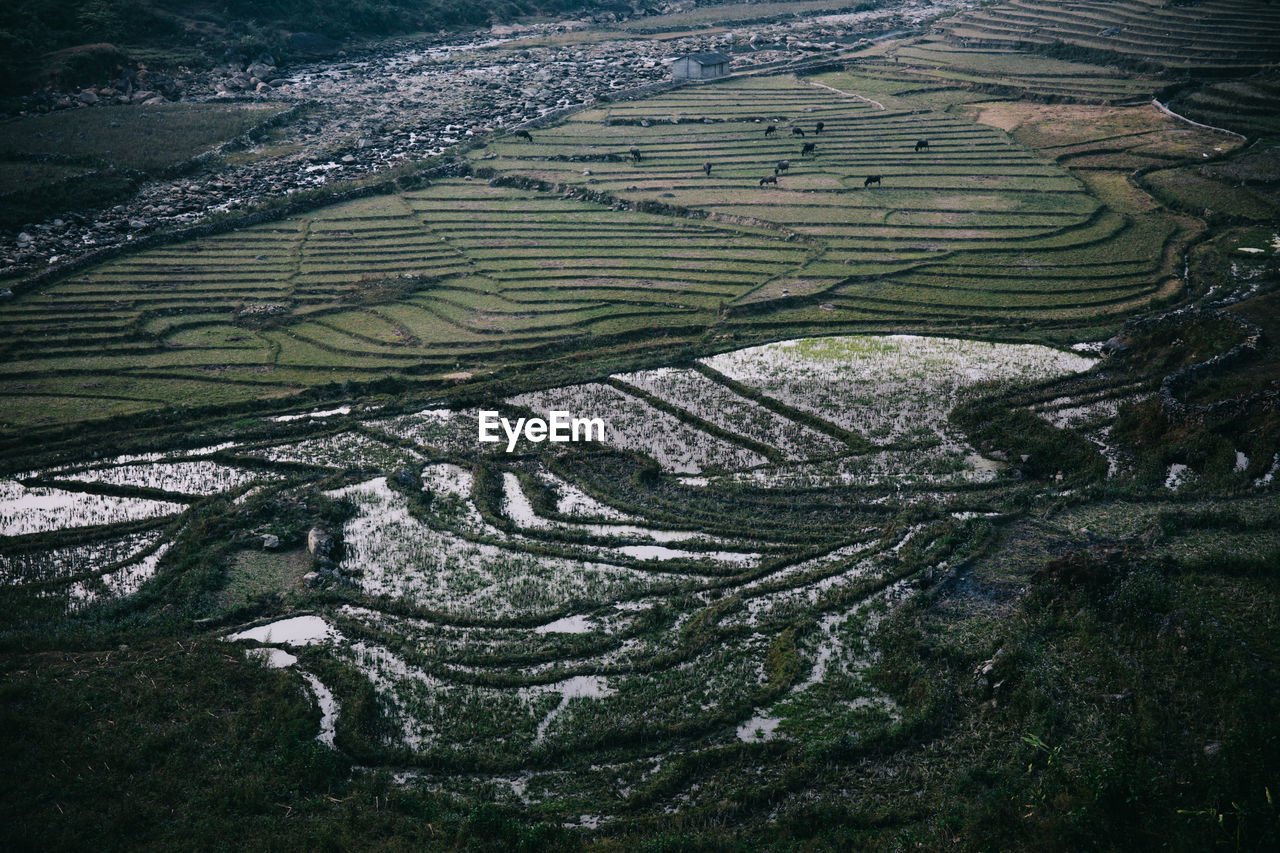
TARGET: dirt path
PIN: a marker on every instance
(875, 104)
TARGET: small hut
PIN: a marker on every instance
(701, 66)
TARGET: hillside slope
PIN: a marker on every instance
(47, 41)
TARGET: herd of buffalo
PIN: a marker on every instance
(806, 148)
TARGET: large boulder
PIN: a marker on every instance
(166, 85)
(319, 543)
(261, 70)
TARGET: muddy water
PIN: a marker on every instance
(295, 631)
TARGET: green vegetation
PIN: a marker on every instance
(77, 160)
(936, 60)
(1117, 662)
(152, 140)
(221, 751)
(1189, 190)
(1245, 106)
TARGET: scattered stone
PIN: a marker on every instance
(1114, 347)
(262, 311)
(990, 675)
(319, 543)
(270, 541)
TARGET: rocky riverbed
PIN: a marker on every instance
(405, 100)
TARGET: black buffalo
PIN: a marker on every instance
(523, 134)
(818, 127)
(809, 148)
(871, 179)
(922, 144)
(706, 167)
(797, 131)
(635, 154)
(771, 130)
(769, 179)
(782, 166)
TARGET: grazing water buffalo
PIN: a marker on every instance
(819, 126)
(809, 148)
(769, 179)
(797, 131)
(771, 130)
(922, 144)
(706, 167)
(782, 166)
(635, 154)
(871, 179)
(523, 134)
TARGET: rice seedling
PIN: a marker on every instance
(39, 509)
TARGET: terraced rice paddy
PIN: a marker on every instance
(925, 206)
(820, 440)
(1219, 33)
(39, 509)
(1245, 106)
(937, 64)
(567, 244)
(558, 598)
(200, 477)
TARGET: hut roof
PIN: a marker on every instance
(710, 58)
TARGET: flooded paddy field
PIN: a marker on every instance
(514, 614)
